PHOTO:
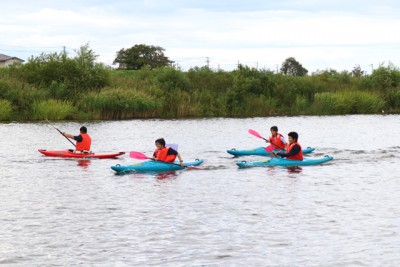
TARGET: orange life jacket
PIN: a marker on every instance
(85, 144)
(162, 155)
(298, 156)
(276, 142)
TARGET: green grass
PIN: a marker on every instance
(347, 102)
(53, 110)
(5, 109)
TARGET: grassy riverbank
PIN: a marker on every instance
(61, 88)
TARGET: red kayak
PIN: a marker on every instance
(75, 154)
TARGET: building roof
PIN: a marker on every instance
(4, 58)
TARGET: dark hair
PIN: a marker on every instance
(294, 135)
(161, 141)
(83, 129)
(274, 128)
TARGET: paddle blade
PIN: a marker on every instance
(173, 146)
(269, 148)
(256, 134)
(138, 155)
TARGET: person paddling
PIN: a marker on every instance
(277, 140)
(293, 149)
(166, 154)
(83, 140)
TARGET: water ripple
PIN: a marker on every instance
(58, 212)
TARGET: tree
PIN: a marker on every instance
(291, 67)
(139, 56)
(357, 71)
(65, 76)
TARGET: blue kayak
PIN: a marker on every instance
(284, 162)
(260, 151)
(154, 166)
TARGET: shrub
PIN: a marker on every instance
(351, 102)
(78, 74)
(52, 109)
(119, 104)
(5, 109)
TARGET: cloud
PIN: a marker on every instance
(263, 33)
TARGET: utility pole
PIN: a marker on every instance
(372, 68)
(208, 62)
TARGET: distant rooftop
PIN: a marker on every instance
(4, 58)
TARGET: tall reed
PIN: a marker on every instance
(52, 109)
(347, 102)
(5, 109)
(116, 103)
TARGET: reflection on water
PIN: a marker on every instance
(166, 175)
(294, 169)
(79, 212)
(84, 163)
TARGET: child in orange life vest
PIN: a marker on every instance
(293, 149)
(166, 154)
(277, 140)
(83, 140)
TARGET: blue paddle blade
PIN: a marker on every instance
(173, 146)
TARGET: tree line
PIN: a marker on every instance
(147, 85)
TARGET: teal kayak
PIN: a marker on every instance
(284, 162)
(260, 151)
(154, 166)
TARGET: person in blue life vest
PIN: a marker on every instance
(277, 140)
(83, 140)
(293, 149)
(166, 154)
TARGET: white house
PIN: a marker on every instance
(7, 60)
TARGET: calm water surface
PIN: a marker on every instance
(60, 212)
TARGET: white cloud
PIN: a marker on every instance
(318, 36)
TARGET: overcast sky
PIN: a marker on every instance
(259, 33)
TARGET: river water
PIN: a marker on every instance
(66, 212)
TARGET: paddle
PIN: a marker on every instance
(269, 148)
(61, 133)
(138, 155)
(141, 156)
(173, 146)
(256, 134)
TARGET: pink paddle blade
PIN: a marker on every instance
(138, 155)
(256, 134)
(269, 148)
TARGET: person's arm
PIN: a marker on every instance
(295, 150)
(180, 159)
(68, 135)
(77, 138)
(283, 140)
(172, 151)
